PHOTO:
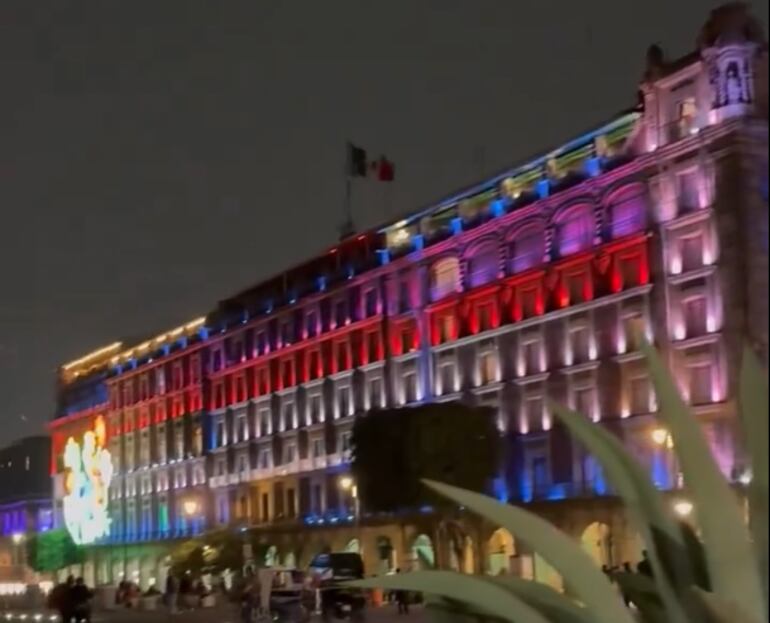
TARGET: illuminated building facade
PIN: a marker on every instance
(25, 507)
(528, 285)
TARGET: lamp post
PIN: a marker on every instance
(349, 485)
(191, 508)
(18, 538)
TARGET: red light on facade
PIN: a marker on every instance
(644, 269)
(563, 296)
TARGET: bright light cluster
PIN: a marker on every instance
(87, 476)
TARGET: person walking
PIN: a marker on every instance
(644, 567)
(172, 593)
(402, 599)
(81, 601)
(61, 599)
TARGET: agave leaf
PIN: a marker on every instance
(717, 610)
(640, 590)
(580, 573)
(443, 610)
(732, 565)
(543, 598)
(644, 503)
(487, 597)
(754, 418)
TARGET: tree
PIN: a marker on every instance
(394, 448)
(53, 550)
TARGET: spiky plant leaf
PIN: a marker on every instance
(486, 596)
(543, 598)
(641, 591)
(580, 573)
(718, 611)
(646, 506)
(754, 418)
(732, 566)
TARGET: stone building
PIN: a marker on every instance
(526, 285)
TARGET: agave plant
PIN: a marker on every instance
(720, 576)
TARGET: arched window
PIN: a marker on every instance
(575, 230)
(526, 249)
(627, 212)
(444, 278)
(484, 264)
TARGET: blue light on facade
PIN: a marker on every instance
(497, 207)
(418, 240)
(384, 255)
(457, 225)
(593, 166)
(543, 189)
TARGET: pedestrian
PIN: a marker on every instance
(185, 589)
(81, 601)
(171, 596)
(402, 599)
(61, 599)
(644, 567)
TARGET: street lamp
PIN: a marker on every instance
(18, 539)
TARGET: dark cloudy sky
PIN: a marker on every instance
(156, 156)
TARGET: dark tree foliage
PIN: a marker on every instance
(394, 448)
(53, 550)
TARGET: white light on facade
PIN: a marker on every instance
(683, 508)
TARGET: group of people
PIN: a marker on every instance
(183, 593)
(643, 568)
(72, 600)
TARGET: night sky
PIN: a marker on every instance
(157, 156)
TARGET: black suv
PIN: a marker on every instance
(327, 572)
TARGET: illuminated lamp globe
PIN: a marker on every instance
(346, 482)
(660, 436)
(190, 507)
(683, 508)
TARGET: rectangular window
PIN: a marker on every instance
(534, 410)
(341, 313)
(488, 367)
(575, 287)
(633, 331)
(447, 376)
(345, 402)
(221, 435)
(288, 416)
(265, 458)
(446, 327)
(410, 387)
(346, 445)
(317, 501)
(316, 409)
(688, 190)
(407, 340)
(289, 454)
(371, 302)
(376, 393)
(700, 384)
(265, 424)
(318, 448)
(261, 342)
(243, 464)
(585, 401)
(581, 345)
(287, 332)
(639, 389)
(311, 323)
(692, 252)
(485, 317)
(695, 316)
(373, 346)
(532, 357)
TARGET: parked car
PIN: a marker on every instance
(326, 574)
